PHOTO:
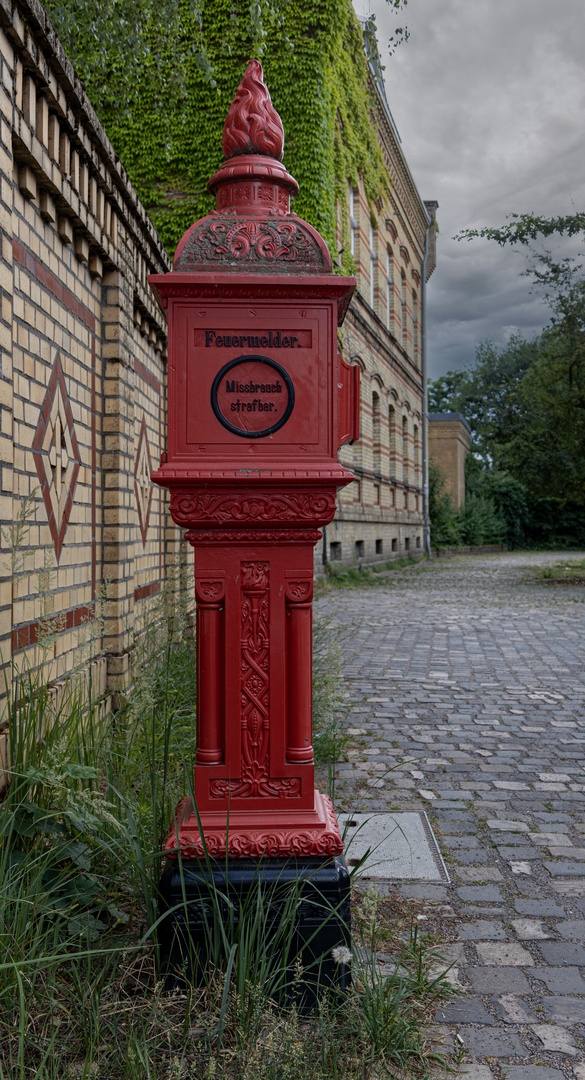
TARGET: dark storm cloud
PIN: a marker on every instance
(489, 98)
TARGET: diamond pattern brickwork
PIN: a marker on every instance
(56, 455)
(142, 481)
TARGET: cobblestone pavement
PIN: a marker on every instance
(466, 678)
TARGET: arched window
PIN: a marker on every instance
(392, 448)
(389, 289)
(405, 469)
(353, 222)
(372, 268)
(416, 457)
(415, 330)
(357, 449)
(403, 311)
(376, 433)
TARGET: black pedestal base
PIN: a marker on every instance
(297, 910)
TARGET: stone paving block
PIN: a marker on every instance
(573, 929)
(506, 825)
(469, 1010)
(528, 887)
(480, 873)
(565, 1010)
(455, 842)
(565, 869)
(476, 1072)
(530, 929)
(560, 821)
(492, 1044)
(507, 954)
(482, 930)
(555, 1039)
(561, 980)
(458, 828)
(482, 893)
(579, 1071)
(424, 892)
(513, 1010)
(563, 952)
(527, 853)
(497, 980)
(544, 839)
(544, 907)
(473, 856)
(574, 889)
(565, 852)
(532, 1072)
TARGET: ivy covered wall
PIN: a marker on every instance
(168, 129)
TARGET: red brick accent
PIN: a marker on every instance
(143, 522)
(57, 528)
(145, 591)
(146, 375)
(56, 624)
(39, 271)
(93, 475)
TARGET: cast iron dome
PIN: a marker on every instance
(252, 228)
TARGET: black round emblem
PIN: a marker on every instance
(252, 396)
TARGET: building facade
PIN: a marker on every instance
(380, 515)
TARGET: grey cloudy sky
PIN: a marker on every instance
(489, 100)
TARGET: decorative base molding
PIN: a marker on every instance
(290, 832)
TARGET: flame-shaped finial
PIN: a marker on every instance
(253, 125)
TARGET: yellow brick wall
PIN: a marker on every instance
(82, 377)
(449, 444)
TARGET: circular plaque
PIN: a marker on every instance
(252, 396)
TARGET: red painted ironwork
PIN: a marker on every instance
(253, 125)
(259, 403)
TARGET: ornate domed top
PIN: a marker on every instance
(252, 230)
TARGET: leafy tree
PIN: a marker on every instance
(508, 515)
(546, 444)
(485, 392)
(526, 228)
(523, 403)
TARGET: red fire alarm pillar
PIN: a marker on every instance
(259, 402)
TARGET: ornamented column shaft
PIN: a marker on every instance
(210, 593)
(299, 646)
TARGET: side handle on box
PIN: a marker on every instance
(349, 404)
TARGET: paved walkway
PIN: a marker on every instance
(469, 675)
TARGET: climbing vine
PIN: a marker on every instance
(165, 107)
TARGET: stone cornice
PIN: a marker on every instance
(414, 220)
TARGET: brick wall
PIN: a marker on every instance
(449, 444)
(82, 373)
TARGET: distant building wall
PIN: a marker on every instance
(380, 515)
(449, 444)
